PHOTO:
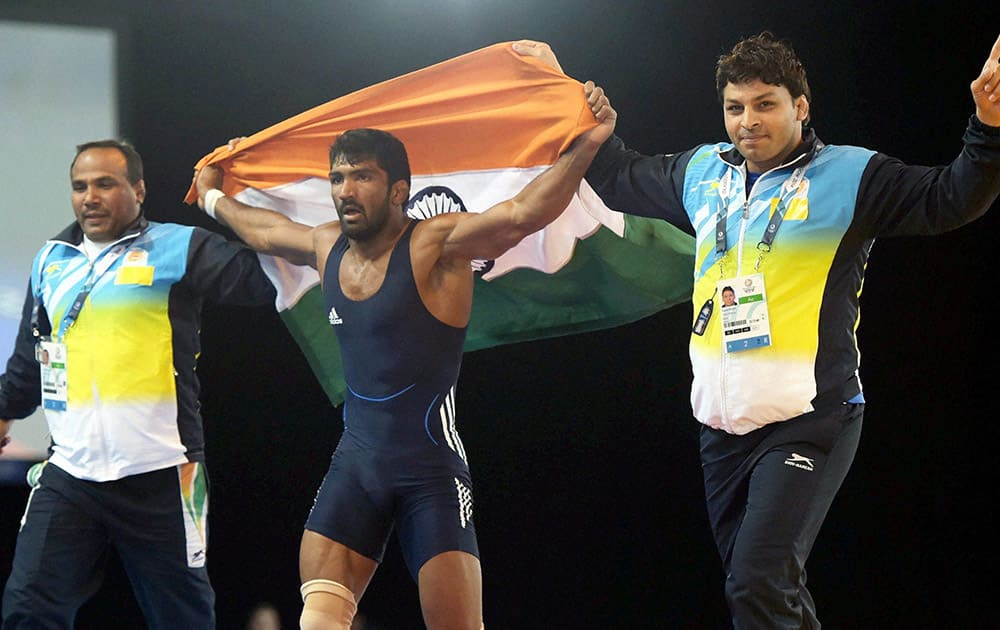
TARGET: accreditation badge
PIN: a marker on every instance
(51, 357)
(745, 324)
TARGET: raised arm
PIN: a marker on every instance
(262, 230)
(906, 200)
(493, 232)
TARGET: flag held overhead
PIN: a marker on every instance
(477, 129)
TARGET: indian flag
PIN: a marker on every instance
(477, 129)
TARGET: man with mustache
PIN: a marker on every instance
(399, 294)
(113, 315)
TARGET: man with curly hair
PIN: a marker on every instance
(787, 222)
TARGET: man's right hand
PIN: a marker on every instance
(206, 179)
(212, 176)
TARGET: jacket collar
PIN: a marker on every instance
(73, 233)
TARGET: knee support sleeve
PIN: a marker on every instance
(326, 604)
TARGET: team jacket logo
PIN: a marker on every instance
(334, 318)
(135, 257)
(800, 461)
(435, 200)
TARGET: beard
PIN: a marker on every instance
(369, 224)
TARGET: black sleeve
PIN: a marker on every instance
(20, 385)
(226, 272)
(896, 199)
(647, 186)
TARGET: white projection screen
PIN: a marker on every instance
(58, 87)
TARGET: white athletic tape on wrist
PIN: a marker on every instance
(211, 198)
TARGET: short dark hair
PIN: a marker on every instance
(763, 57)
(133, 162)
(357, 145)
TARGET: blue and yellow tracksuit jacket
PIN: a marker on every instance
(814, 270)
(132, 400)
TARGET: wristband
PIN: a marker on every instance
(211, 198)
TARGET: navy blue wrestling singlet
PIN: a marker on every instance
(399, 461)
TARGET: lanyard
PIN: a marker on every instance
(720, 214)
(98, 270)
(788, 189)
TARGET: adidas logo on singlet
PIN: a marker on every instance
(334, 318)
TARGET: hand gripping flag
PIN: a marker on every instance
(477, 129)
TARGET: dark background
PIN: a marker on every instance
(588, 498)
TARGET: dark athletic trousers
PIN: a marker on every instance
(69, 529)
(767, 494)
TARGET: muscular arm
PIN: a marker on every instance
(262, 230)
(493, 232)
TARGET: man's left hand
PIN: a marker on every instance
(606, 115)
(986, 89)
